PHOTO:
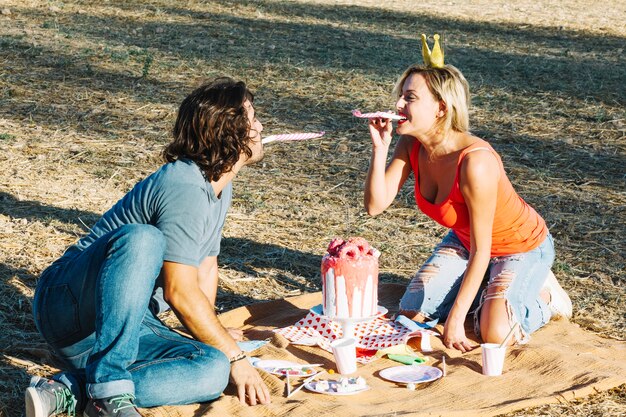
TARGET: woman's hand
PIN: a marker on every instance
(454, 336)
(380, 131)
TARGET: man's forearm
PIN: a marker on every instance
(197, 314)
(183, 292)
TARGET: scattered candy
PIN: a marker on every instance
(343, 385)
(322, 385)
(293, 371)
(410, 386)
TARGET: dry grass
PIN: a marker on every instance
(88, 92)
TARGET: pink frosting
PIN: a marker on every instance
(354, 260)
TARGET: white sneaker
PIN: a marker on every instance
(46, 397)
(560, 303)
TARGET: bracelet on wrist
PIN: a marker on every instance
(241, 355)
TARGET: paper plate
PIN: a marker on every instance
(311, 386)
(411, 373)
(281, 367)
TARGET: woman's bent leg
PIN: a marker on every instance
(512, 295)
(434, 287)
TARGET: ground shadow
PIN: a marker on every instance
(15, 306)
(254, 43)
(238, 254)
(258, 43)
(559, 161)
(36, 211)
(20, 339)
(247, 256)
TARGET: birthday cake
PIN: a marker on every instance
(350, 279)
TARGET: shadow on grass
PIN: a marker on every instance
(19, 336)
(247, 256)
(378, 45)
(16, 312)
(561, 162)
(36, 211)
(237, 254)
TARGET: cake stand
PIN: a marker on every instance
(348, 324)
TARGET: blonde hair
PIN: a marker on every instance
(448, 85)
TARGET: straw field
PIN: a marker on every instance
(89, 92)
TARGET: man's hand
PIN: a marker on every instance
(194, 310)
(249, 383)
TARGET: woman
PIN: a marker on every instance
(460, 183)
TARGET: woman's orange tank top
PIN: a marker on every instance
(517, 227)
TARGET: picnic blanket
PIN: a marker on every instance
(560, 363)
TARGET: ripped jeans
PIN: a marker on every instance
(434, 288)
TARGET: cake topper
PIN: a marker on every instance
(432, 59)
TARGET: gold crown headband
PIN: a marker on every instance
(432, 59)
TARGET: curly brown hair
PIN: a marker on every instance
(212, 127)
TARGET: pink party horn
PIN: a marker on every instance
(292, 136)
(376, 115)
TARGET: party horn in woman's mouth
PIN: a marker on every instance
(377, 115)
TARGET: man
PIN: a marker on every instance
(156, 248)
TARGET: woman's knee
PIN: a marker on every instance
(494, 333)
(429, 293)
(496, 320)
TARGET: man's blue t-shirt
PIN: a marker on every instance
(181, 203)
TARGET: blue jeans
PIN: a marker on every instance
(434, 288)
(91, 307)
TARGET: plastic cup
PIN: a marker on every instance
(493, 358)
(344, 351)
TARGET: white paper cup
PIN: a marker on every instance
(493, 358)
(344, 351)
